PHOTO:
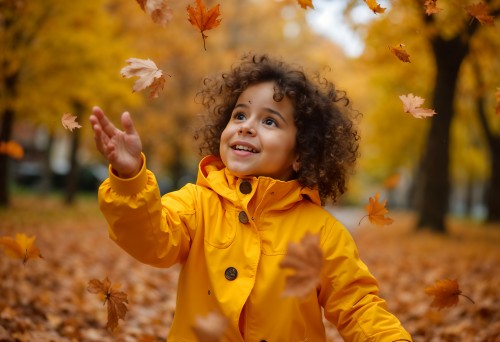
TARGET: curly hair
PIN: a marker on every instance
(327, 140)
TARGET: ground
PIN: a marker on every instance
(47, 299)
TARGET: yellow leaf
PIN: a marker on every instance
(376, 212)
(305, 4)
(22, 247)
(374, 6)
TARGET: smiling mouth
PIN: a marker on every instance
(243, 148)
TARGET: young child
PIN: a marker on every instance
(278, 145)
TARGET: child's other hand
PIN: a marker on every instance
(121, 148)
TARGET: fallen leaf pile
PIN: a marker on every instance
(47, 299)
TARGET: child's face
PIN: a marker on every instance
(259, 139)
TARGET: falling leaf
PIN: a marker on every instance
(376, 212)
(400, 53)
(202, 19)
(114, 299)
(412, 105)
(392, 181)
(374, 6)
(305, 4)
(481, 12)
(149, 75)
(431, 7)
(22, 247)
(210, 328)
(497, 111)
(12, 149)
(306, 259)
(445, 293)
(68, 121)
(158, 10)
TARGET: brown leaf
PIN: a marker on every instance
(480, 11)
(210, 328)
(68, 121)
(374, 6)
(149, 76)
(22, 247)
(202, 19)
(431, 7)
(400, 53)
(376, 212)
(412, 105)
(158, 10)
(305, 4)
(306, 259)
(445, 293)
(12, 149)
(114, 299)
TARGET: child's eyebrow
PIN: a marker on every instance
(272, 111)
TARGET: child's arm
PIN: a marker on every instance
(349, 294)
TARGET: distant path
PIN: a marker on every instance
(349, 216)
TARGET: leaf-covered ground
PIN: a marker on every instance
(47, 299)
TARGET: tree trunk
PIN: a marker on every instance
(434, 182)
(493, 199)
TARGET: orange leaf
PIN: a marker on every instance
(445, 293)
(305, 3)
(480, 11)
(412, 105)
(158, 10)
(202, 19)
(306, 259)
(431, 7)
(69, 122)
(114, 299)
(12, 149)
(400, 53)
(374, 6)
(23, 247)
(377, 211)
(210, 328)
(149, 75)
(392, 181)
(497, 111)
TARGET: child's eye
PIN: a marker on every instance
(238, 116)
(270, 122)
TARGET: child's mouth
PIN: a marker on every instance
(244, 148)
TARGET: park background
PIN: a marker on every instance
(440, 175)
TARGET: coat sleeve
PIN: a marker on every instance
(154, 230)
(349, 293)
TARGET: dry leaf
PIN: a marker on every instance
(400, 53)
(306, 259)
(210, 328)
(12, 149)
(412, 105)
(497, 111)
(374, 6)
(481, 12)
(431, 7)
(305, 4)
(445, 293)
(149, 75)
(23, 247)
(68, 121)
(158, 10)
(392, 181)
(376, 212)
(202, 19)
(114, 299)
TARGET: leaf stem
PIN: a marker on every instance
(359, 223)
(469, 298)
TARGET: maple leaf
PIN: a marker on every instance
(210, 328)
(497, 111)
(392, 181)
(305, 4)
(158, 10)
(68, 121)
(374, 6)
(12, 149)
(376, 212)
(480, 11)
(412, 105)
(306, 259)
(114, 299)
(400, 53)
(431, 7)
(149, 75)
(22, 247)
(202, 19)
(445, 293)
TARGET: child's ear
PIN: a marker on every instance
(296, 164)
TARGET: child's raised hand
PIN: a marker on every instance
(122, 149)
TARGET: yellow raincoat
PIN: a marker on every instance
(230, 235)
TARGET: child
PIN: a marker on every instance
(277, 146)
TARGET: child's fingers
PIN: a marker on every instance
(128, 124)
(106, 125)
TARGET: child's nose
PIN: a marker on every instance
(247, 128)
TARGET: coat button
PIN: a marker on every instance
(245, 187)
(243, 217)
(231, 273)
